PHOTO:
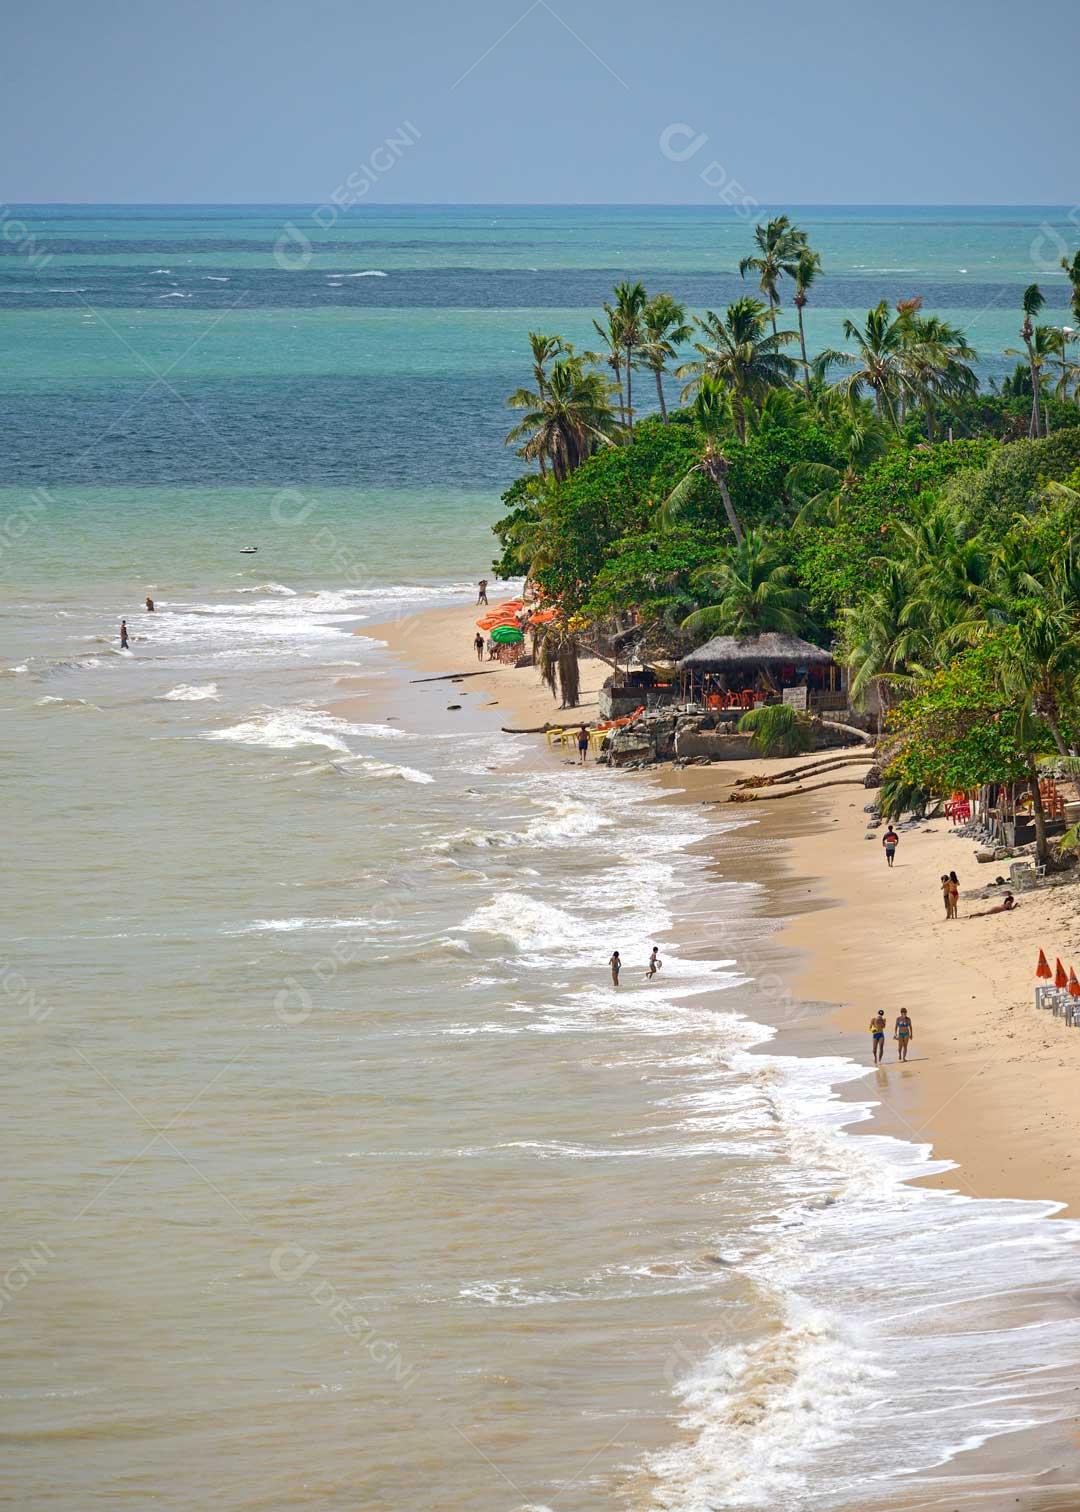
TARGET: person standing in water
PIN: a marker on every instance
(890, 840)
(877, 1036)
(478, 646)
(616, 966)
(123, 635)
(481, 597)
(903, 1033)
(149, 604)
(655, 963)
(582, 745)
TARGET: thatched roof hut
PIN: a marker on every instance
(729, 653)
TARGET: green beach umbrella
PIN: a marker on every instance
(506, 635)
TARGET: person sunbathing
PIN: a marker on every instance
(1007, 905)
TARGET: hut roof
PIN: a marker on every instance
(754, 651)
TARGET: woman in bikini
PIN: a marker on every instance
(903, 1033)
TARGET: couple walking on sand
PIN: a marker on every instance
(653, 967)
(903, 1034)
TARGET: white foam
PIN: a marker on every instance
(287, 730)
(192, 693)
(368, 273)
(290, 926)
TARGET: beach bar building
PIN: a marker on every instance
(739, 672)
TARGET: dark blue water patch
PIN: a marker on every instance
(334, 431)
(96, 286)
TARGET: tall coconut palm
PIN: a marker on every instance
(543, 349)
(1033, 301)
(1072, 272)
(752, 590)
(1058, 340)
(780, 246)
(630, 302)
(611, 335)
(568, 422)
(712, 411)
(807, 268)
(738, 350)
(877, 360)
(666, 330)
(935, 361)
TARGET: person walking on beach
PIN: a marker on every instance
(877, 1036)
(123, 635)
(890, 840)
(481, 597)
(954, 894)
(582, 745)
(478, 646)
(903, 1033)
(655, 963)
(616, 966)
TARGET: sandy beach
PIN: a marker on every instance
(989, 1080)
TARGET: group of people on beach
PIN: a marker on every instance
(653, 967)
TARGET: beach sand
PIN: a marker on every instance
(989, 1082)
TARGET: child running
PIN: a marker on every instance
(655, 963)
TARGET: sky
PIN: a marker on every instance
(539, 101)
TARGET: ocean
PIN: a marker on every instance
(337, 1175)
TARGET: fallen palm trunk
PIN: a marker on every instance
(745, 797)
(797, 774)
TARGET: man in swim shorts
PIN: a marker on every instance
(877, 1036)
(655, 963)
(890, 840)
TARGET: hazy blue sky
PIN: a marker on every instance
(841, 101)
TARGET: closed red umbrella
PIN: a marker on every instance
(1074, 985)
(1060, 977)
(1043, 968)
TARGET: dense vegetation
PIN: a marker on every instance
(873, 499)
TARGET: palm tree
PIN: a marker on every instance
(612, 337)
(665, 331)
(935, 361)
(780, 245)
(543, 348)
(557, 658)
(712, 411)
(737, 350)
(630, 302)
(753, 591)
(1033, 302)
(1072, 272)
(807, 269)
(1057, 340)
(824, 490)
(878, 360)
(568, 422)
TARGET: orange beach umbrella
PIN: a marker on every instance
(1043, 968)
(1074, 985)
(1060, 979)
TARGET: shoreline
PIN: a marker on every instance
(988, 1082)
(991, 1121)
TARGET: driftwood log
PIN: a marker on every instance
(747, 797)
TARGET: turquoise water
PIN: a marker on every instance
(337, 1174)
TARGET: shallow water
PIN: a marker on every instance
(337, 1173)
